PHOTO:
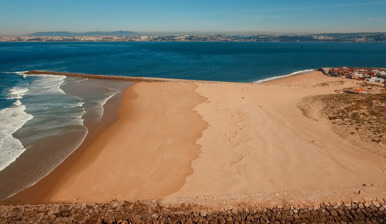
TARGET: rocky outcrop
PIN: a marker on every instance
(356, 211)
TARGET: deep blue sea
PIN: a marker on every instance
(36, 110)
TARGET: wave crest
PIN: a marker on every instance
(11, 120)
(284, 76)
(17, 93)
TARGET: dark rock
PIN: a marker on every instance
(181, 218)
(213, 221)
(221, 220)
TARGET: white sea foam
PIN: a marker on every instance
(102, 101)
(57, 113)
(47, 104)
(17, 93)
(21, 73)
(11, 120)
(17, 73)
(284, 76)
(48, 84)
(79, 104)
(17, 103)
(69, 108)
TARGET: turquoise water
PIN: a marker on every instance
(37, 110)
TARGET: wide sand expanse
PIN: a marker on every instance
(187, 139)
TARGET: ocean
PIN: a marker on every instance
(42, 118)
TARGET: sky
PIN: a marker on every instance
(192, 16)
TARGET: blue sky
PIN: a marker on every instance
(189, 16)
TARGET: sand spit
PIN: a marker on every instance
(209, 144)
(114, 77)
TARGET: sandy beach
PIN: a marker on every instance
(180, 140)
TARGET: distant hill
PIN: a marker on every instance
(96, 33)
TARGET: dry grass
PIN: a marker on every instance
(362, 114)
(333, 83)
(359, 117)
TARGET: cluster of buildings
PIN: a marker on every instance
(365, 74)
(182, 38)
(69, 38)
(102, 38)
(127, 36)
(133, 38)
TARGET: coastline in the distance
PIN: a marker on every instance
(129, 36)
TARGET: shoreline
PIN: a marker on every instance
(43, 185)
(95, 130)
(285, 76)
(338, 162)
(135, 79)
(48, 149)
(79, 160)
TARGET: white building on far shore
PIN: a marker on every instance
(376, 79)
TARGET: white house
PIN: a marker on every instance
(376, 79)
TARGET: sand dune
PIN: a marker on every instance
(259, 141)
(188, 139)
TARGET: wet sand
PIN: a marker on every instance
(38, 191)
(149, 151)
(179, 140)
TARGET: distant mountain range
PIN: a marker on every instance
(71, 34)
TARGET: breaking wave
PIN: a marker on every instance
(284, 76)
